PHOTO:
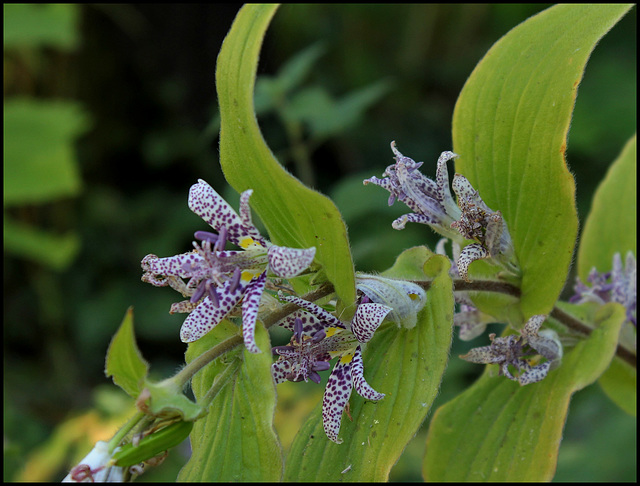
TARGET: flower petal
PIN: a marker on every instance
(250, 307)
(534, 374)
(210, 206)
(206, 316)
(289, 262)
(310, 323)
(483, 355)
(329, 319)
(183, 265)
(469, 254)
(367, 319)
(359, 383)
(280, 370)
(335, 398)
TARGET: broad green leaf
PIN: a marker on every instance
(293, 214)
(39, 159)
(620, 383)
(56, 251)
(124, 362)
(500, 431)
(405, 364)
(510, 129)
(235, 441)
(34, 25)
(611, 225)
(611, 228)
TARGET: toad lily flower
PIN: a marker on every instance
(618, 285)
(432, 204)
(430, 201)
(220, 279)
(318, 337)
(518, 352)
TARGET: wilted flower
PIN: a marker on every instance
(219, 279)
(479, 223)
(521, 351)
(430, 201)
(97, 466)
(318, 337)
(618, 285)
(405, 299)
(432, 204)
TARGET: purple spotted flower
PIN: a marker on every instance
(532, 354)
(430, 201)
(219, 279)
(319, 337)
(618, 285)
(432, 204)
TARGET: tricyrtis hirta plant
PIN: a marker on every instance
(508, 217)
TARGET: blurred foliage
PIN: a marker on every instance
(144, 76)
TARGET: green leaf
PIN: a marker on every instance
(510, 129)
(405, 364)
(500, 431)
(293, 214)
(235, 441)
(620, 384)
(611, 225)
(124, 362)
(41, 25)
(611, 228)
(55, 251)
(39, 159)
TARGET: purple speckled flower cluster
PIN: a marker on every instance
(319, 337)
(219, 280)
(520, 352)
(619, 285)
(433, 205)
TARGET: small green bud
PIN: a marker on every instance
(405, 298)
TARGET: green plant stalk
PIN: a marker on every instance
(124, 430)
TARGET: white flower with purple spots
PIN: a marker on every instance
(319, 337)
(219, 279)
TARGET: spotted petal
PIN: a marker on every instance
(206, 316)
(469, 254)
(534, 374)
(335, 398)
(359, 383)
(183, 265)
(310, 323)
(280, 370)
(289, 262)
(250, 311)
(316, 310)
(210, 206)
(367, 319)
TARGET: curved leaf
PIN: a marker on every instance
(500, 431)
(293, 214)
(235, 441)
(124, 361)
(405, 364)
(611, 225)
(510, 128)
